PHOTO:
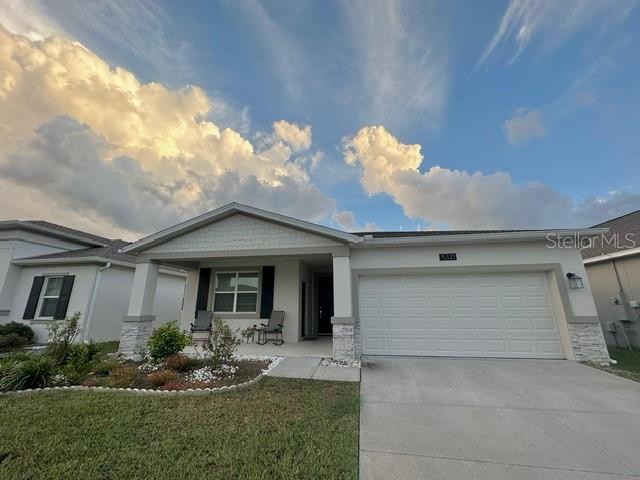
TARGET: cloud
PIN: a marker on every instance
(402, 60)
(346, 220)
(298, 138)
(461, 199)
(162, 138)
(525, 125)
(551, 22)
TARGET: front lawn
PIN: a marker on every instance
(628, 365)
(278, 428)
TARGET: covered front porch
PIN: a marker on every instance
(242, 264)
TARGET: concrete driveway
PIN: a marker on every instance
(428, 418)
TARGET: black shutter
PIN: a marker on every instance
(63, 299)
(203, 290)
(266, 303)
(34, 296)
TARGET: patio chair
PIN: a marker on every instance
(201, 328)
(273, 327)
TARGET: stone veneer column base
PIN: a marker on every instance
(588, 343)
(343, 339)
(134, 336)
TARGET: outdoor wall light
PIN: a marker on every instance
(575, 281)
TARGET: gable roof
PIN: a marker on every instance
(618, 227)
(55, 230)
(232, 209)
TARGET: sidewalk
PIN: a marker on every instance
(310, 368)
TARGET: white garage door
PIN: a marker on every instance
(489, 315)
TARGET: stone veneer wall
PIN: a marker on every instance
(134, 337)
(343, 342)
(588, 343)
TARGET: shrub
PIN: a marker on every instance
(20, 329)
(178, 385)
(11, 340)
(105, 367)
(123, 376)
(167, 340)
(79, 361)
(224, 343)
(179, 362)
(35, 372)
(61, 336)
(159, 378)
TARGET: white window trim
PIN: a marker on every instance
(43, 296)
(236, 292)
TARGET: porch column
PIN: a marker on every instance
(137, 325)
(343, 320)
(190, 299)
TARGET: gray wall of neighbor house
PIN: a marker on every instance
(610, 301)
(112, 292)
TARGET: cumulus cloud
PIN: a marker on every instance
(161, 138)
(461, 199)
(346, 220)
(524, 125)
(297, 137)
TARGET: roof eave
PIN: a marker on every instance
(25, 225)
(70, 261)
(537, 235)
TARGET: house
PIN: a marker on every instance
(613, 266)
(48, 271)
(451, 293)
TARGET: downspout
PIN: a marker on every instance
(94, 294)
(625, 304)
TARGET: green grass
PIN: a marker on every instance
(628, 365)
(276, 429)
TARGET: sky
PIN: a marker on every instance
(122, 118)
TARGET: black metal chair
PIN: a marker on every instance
(203, 321)
(273, 327)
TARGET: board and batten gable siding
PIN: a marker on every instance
(242, 232)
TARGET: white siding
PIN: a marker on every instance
(80, 295)
(112, 302)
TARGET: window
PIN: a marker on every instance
(236, 292)
(50, 296)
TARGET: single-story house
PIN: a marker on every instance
(612, 263)
(48, 271)
(447, 293)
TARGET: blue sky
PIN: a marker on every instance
(527, 110)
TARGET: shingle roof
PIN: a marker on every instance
(433, 233)
(616, 240)
(109, 253)
(71, 231)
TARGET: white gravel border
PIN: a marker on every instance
(145, 391)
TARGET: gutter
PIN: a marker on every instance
(540, 235)
(613, 255)
(94, 294)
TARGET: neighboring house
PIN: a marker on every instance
(613, 266)
(450, 293)
(48, 271)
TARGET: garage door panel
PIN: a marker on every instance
(501, 315)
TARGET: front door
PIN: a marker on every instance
(325, 304)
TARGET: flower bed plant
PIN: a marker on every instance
(67, 363)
